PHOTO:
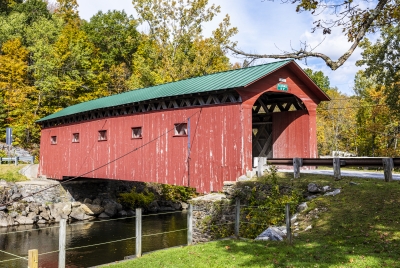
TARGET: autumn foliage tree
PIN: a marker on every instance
(50, 58)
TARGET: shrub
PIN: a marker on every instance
(177, 193)
(265, 201)
(134, 199)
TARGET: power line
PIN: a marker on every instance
(353, 107)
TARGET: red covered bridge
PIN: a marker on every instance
(197, 132)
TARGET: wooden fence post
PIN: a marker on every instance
(237, 217)
(288, 224)
(61, 243)
(138, 233)
(336, 169)
(261, 166)
(33, 258)
(297, 163)
(388, 168)
(190, 225)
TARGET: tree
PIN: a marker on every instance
(68, 11)
(114, 34)
(319, 78)
(33, 9)
(378, 127)
(354, 17)
(174, 48)
(15, 89)
(382, 61)
(336, 123)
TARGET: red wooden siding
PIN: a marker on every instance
(216, 148)
(294, 133)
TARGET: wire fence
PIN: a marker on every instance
(234, 224)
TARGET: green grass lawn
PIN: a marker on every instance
(357, 228)
(9, 172)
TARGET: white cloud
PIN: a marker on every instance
(265, 27)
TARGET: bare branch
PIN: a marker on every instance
(303, 53)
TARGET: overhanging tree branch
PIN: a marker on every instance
(304, 53)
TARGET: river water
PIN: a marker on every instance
(80, 234)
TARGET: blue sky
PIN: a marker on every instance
(265, 27)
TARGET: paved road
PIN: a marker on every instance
(348, 173)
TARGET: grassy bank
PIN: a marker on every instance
(10, 172)
(357, 228)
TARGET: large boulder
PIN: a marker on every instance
(92, 209)
(153, 207)
(33, 207)
(24, 220)
(103, 216)
(16, 196)
(111, 209)
(333, 193)
(6, 220)
(45, 215)
(60, 210)
(87, 201)
(78, 213)
(313, 188)
(96, 201)
(273, 234)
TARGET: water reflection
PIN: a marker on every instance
(45, 239)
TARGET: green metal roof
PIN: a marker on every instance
(212, 82)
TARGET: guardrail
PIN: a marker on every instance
(17, 159)
(386, 163)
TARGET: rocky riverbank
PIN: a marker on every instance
(46, 201)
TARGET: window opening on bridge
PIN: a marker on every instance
(75, 137)
(102, 135)
(181, 129)
(136, 132)
(53, 140)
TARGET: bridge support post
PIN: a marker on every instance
(190, 225)
(388, 168)
(61, 243)
(336, 169)
(138, 247)
(297, 163)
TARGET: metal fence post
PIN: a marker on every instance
(33, 258)
(237, 217)
(138, 232)
(336, 168)
(16, 160)
(388, 168)
(288, 224)
(61, 243)
(190, 225)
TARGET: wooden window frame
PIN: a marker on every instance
(180, 130)
(137, 134)
(102, 135)
(53, 140)
(75, 137)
